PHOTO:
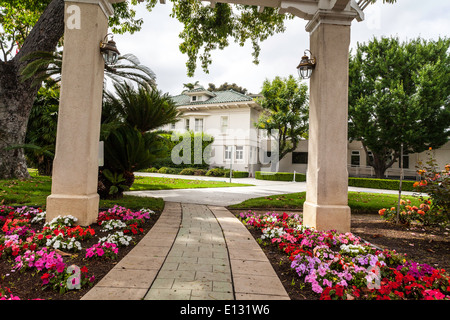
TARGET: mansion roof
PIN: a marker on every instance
(209, 97)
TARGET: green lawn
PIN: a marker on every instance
(359, 202)
(35, 191)
(157, 183)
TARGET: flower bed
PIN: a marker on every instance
(31, 248)
(344, 266)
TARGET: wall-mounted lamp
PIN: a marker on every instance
(109, 50)
(306, 66)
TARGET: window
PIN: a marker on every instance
(223, 124)
(198, 125)
(405, 162)
(186, 124)
(227, 153)
(355, 158)
(369, 159)
(193, 98)
(300, 157)
(172, 126)
(239, 153)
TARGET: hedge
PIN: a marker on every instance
(386, 184)
(221, 172)
(280, 176)
(239, 174)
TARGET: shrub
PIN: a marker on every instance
(216, 172)
(408, 213)
(240, 174)
(200, 172)
(436, 183)
(386, 184)
(168, 170)
(187, 171)
(280, 176)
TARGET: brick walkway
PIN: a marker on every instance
(194, 252)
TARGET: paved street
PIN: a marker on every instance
(231, 195)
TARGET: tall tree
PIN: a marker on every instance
(227, 86)
(399, 93)
(17, 96)
(285, 115)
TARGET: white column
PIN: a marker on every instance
(326, 206)
(75, 168)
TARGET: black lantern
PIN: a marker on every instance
(109, 50)
(306, 66)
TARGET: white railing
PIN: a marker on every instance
(368, 171)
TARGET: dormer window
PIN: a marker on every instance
(193, 98)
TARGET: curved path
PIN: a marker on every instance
(193, 252)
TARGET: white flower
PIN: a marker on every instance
(270, 233)
(39, 217)
(113, 224)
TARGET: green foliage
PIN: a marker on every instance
(239, 174)
(226, 86)
(208, 28)
(142, 107)
(216, 172)
(436, 183)
(126, 149)
(280, 176)
(41, 131)
(168, 170)
(117, 181)
(131, 143)
(285, 104)
(398, 94)
(46, 67)
(17, 18)
(386, 184)
(197, 146)
(42, 66)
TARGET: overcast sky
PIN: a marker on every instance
(156, 45)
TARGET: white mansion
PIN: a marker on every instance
(230, 116)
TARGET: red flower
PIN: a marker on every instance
(84, 269)
(45, 278)
(339, 290)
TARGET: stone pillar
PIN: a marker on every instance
(75, 167)
(326, 206)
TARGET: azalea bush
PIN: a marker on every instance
(409, 213)
(342, 266)
(435, 206)
(32, 245)
(436, 183)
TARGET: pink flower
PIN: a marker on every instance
(100, 252)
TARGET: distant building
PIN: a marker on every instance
(229, 116)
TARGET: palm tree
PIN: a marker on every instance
(47, 66)
(190, 85)
(131, 135)
(141, 107)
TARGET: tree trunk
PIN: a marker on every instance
(17, 96)
(16, 101)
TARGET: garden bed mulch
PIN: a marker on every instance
(430, 245)
(27, 285)
(422, 244)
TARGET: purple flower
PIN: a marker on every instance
(327, 283)
(316, 287)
